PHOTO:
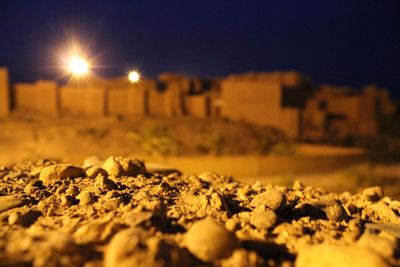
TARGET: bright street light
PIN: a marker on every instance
(134, 76)
(78, 66)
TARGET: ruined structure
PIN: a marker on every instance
(284, 100)
(339, 112)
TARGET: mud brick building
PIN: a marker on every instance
(284, 100)
(338, 112)
(274, 99)
(42, 96)
(5, 105)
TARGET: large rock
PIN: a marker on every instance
(209, 241)
(56, 172)
(119, 166)
(333, 255)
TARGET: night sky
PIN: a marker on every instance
(342, 42)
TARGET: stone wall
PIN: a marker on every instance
(127, 101)
(86, 101)
(198, 106)
(156, 103)
(42, 96)
(5, 99)
(291, 122)
(255, 101)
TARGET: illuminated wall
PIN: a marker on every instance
(5, 99)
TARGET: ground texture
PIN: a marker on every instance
(120, 212)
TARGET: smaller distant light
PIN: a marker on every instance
(78, 66)
(133, 76)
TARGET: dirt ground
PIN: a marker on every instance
(247, 152)
(244, 197)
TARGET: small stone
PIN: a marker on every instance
(380, 211)
(243, 258)
(93, 172)
(12, 201)
(333, 255)
(263, 219)
(373, 194)
(25, 218)
(209, 241)
(36, 172)
(14, 217)
(297, 185)
(59, 172)
(68, 200)
(33, 186)
(92, 161)
(323, 209)
(119, 166)
(72, 190)
(86, 198)
(232, 224)
(105, 184)
(271, 198)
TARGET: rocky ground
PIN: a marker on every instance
(120, 212)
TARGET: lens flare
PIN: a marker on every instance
(78, 66)
(134, 76)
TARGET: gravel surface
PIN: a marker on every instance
(117, 212)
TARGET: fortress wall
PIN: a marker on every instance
(291, 122)
(198, 106)
(42, 96)
(5, 99)
(257, 102)
(127, 101)
(157, 103)
(87, 101)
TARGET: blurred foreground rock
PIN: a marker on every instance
(117, 212)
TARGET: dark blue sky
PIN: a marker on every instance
(348, 42)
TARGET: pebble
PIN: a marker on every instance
(263, 220)
(271, 198)
(322, 209)
(209, 241)
(24, 218)
(373, 194)
(119, 166)
(243, 258)
(334, 255)
(61, 171)
(12, 201)
(105, 184)
(92, 161)
(68, 200)
(380, 211)
(86, 198)
(93, 172)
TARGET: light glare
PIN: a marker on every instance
(78, 66)
(133, 76)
